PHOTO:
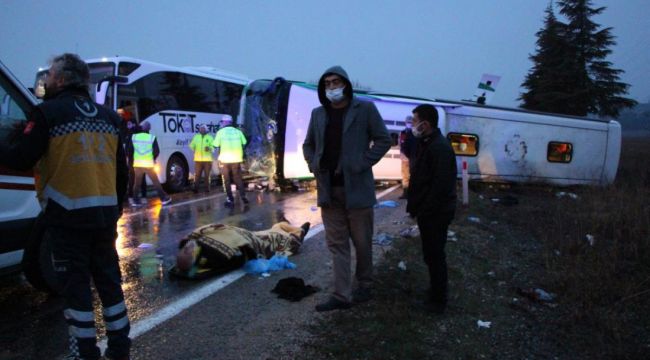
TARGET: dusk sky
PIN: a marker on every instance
(434, 49)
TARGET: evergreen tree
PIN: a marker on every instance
(549, 79)
(571, 74)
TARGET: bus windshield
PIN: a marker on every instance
(265, 113)
(99, 71)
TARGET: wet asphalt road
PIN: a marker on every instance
(32, 325)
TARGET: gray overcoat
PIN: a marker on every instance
(365, 141)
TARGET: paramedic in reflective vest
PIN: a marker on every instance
(230, 142)
(202, 146)
(145, 150)
(81, 181)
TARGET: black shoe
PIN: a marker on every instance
(361, 295)
(229, 203)
(333, 304)
(196, 191)
(305, 229)
(244, 200)
(434, 307)
(405, 194)
(112, 357)
(436, 301)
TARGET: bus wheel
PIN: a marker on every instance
(177, 173)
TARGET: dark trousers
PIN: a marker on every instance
(232, 173)
(131, 183)
(139, 177)
(80, 256)
(433, 232)
(202, 167)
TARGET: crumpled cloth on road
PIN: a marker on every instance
(293, 289)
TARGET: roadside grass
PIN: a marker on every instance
(602, 290)
(608, 280)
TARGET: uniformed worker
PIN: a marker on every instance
(81, 181)
(230, 142)
(145, 150)
(202, 146)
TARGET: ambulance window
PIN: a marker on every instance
(464, 144)
(12, 107)
(559, 152)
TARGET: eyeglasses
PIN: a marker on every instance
(333, 82)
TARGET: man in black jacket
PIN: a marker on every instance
(81, 170)
(432, 197)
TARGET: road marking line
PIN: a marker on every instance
(169, 311)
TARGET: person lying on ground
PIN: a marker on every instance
(218, 248)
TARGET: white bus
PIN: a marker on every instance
(174, 100)
(497, 144)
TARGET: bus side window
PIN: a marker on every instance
(559, 152)
(464, 144)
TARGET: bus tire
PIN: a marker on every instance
(177, 174)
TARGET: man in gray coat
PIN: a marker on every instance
(345, 138)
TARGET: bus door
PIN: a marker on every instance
(127, 109)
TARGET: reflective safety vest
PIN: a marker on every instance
(198, 145)
(230, 142)
(143, 150)
(78, 170)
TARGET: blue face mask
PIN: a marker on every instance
(335, 95)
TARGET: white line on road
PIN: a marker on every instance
(193, 297)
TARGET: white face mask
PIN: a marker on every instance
(335, 95)
(417, 131)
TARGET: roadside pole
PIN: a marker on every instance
(465, 178)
